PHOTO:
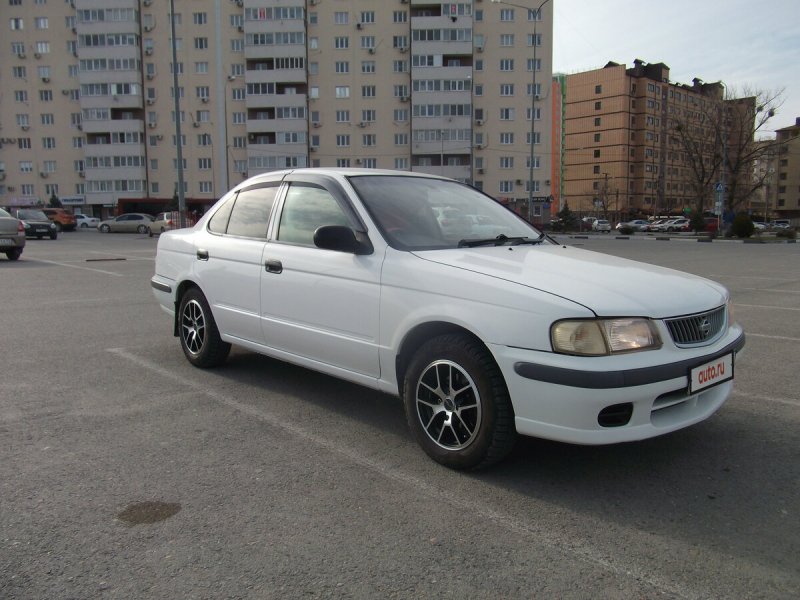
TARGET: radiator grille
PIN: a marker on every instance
(697, 330)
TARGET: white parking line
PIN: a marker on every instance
(736, 304)
(772, 337)
(578, 548)
(787, 401)
(61, 264)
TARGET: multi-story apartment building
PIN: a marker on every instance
(787, 173)
(622, 153)
(89, 115)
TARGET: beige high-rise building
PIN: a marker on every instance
(88, 107)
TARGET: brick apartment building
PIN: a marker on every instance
(621, 154)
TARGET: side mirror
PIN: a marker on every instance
(340, 239)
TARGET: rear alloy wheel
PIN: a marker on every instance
(105, 229)
(142, 229)
(457, 403)
(198, 332)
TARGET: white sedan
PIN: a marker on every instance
(85, 221)
(349, 272)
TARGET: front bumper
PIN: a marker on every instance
(564, 398)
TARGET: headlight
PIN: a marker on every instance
(601, 337)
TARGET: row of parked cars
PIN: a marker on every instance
(683, 224)
(18, 224)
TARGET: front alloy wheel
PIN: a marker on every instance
(457, 403)
(448, 405)
(198, 332)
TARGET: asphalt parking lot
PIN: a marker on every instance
(265, 480)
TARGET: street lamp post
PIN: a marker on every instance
(536, 16)
(178, 144)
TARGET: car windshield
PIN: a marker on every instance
(32, 215)
(417, 213)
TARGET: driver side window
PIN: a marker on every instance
(306, 209)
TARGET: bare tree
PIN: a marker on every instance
(747, 119)
(717, 136)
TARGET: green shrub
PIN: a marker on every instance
(742, 226)
(789, 234)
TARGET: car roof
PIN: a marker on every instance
(338, 172)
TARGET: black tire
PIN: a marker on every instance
(14, 254)
(105, 229)
(472, 428)
(142, 229)
(198, 332)
(84, 225)
(54, 235)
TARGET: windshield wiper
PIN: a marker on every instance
(500, 240)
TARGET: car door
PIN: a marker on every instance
(229, 260)
(320, 306)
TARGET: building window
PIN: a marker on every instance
(507, 64)
(597, 122)
(507, 14)
(506, 89)
(368, 91)
(201, 43)
(341, 42)
(596, 153)
(342, 91)
(506, 114)
(598, 89)
(507, 138)
(598, 105)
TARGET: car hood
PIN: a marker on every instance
(607, 285)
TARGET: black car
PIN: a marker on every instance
(36, 223)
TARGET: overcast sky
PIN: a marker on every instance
(738, 42)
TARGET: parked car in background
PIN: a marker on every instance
(85, 221)
(63, 218)
(12, 235)
(673, 225)
(759, 226)
(162, 222)
(601, 225)
(36, 223)
(781, 224)
(350, 272)
(636, 225)
(127, 223)
(711, 224)
(654, 225)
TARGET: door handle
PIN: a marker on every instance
(273, 266)
(202, 255)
